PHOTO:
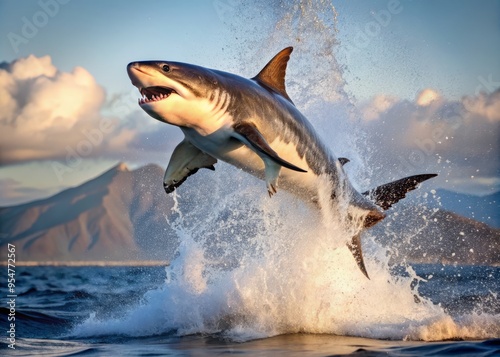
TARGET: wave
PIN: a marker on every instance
(30, 322)
(249, 267)
(288, 273)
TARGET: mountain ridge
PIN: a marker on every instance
(121, 215)
(102, 218)
(484, 208)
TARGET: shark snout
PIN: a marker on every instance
(131, 66)
(132, 71)
(138, 74)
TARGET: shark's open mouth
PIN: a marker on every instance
(154, 94)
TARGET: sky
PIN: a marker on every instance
(421, 77)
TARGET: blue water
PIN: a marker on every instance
(53, 304)
(264, 277)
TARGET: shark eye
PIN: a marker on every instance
(166, 68)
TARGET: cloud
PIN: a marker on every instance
(44, 109)
(478, 185)
(484, 105)
(48, 114)
(378, 105)
(65, 122)
(427, 97)
(13, 192)
(459, 139)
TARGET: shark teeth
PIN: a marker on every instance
(154, 94)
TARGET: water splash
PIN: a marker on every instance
(250, 267)
(287, 273)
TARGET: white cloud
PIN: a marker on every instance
(484, 105)
(427, 97)
(32, 67)
(480, 185)
(48, 114)
(460, 140)
(53, 125)
(379, 104)
(44, 109)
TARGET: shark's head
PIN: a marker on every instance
(173, 92)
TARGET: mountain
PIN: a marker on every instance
(122, 215)
(119, 215)
(485, 209)
(426, 235)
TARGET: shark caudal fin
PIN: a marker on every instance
(362, 214)
(388, 194)
(373, 217)
(355, 247)
(383, 196)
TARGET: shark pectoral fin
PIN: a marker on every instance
(186, 160)
(386, 195)
(355, 247)
(251, 136)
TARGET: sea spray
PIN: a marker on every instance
(293, 273)
(251, 267)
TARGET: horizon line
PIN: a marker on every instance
(93, 263)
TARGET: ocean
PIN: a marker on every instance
(258, 276)
(132, 311)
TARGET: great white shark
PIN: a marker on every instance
(254, 125)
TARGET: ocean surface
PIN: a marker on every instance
(257, 276)
(130, 311)
(254, 276)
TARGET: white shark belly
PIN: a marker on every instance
(302, 184)
(223, 147)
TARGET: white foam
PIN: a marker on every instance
(291, 276)
(251, 267)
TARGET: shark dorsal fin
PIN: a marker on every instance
(273, 74)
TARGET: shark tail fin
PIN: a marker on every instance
(383, 196)
(355, 247)
(388, 194)
(372, 218)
